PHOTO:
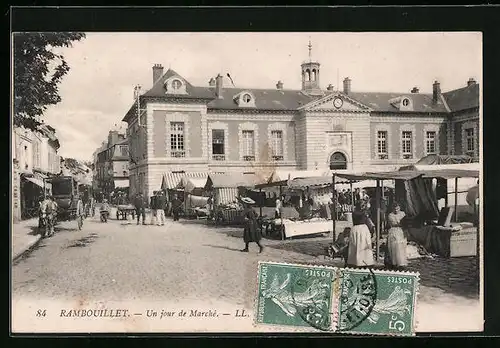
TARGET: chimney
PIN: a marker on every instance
(436, 92)
(211, 83)
(471, 82)
(347, 85)
(218, 86)
(330, 87)
(157, 72)
(415, 90)
(279, 85)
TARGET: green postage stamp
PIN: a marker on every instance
(354, 301)
(295, 295)
(377, 302)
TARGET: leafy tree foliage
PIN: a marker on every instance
(37, 73)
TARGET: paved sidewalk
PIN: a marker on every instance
(24, 236)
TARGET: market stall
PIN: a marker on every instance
(195, 205)
(451, 191)
(426, 224)
(170, 184)
(223, 191)
(310, 199)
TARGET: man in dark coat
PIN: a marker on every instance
(176, 208)
(140, 208)
(251, 232)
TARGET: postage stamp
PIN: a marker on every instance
(295, 295)
(377, 302)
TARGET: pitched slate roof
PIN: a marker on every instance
(192, 91)
(290, 100)
(463, 98)
(265, 99)
(380, 101)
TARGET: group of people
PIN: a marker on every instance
(159, 206)
(359, 252)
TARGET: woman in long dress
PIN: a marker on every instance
(251, 232)
(396, 239)
(360, 241)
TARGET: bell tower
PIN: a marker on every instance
(310, 75)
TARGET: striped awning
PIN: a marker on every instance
(171, 180)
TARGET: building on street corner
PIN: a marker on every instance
(35, 158)
(176, 127)
(112, 164)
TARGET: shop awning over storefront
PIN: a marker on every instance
(171, 180)
(122, 183)
(37, 179)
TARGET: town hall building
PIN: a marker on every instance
(176, 127)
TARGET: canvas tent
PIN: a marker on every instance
(224, 187)
(190, 185)
(445, 159)
(459, 178)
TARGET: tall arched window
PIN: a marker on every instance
(313, 76)
(308, 75)
(338, 161)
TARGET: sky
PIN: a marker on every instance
(98, 90)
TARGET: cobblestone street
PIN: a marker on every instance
(188, 261)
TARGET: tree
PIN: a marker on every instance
(37, 73)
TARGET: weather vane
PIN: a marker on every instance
(310, 49)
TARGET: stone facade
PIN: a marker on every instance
(259, 131)
(34, 154)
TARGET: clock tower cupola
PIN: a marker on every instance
(310, 75)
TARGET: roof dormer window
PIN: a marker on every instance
(402, 103)
(176, 84)
(247, 98)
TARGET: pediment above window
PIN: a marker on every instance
(402, 103)
(175, 85)
(245, 99)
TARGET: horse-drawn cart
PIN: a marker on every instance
(66, 195)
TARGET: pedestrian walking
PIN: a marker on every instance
(140, 208)
(360, 242)
(153, 206)
(251, 231)
(161, 204)
(176, 208)
(396, 239)
(48, 209)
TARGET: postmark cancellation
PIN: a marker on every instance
(323, 298)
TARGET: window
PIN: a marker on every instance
(176, 84)
(177, 139)
(123, 150)
(248, 145)
(338, 161)
(469, 141)
(36, 154)
(430, 142)
(406, 142)
(277, 145)
(382, 145)
(247, 98)
(218, 150)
